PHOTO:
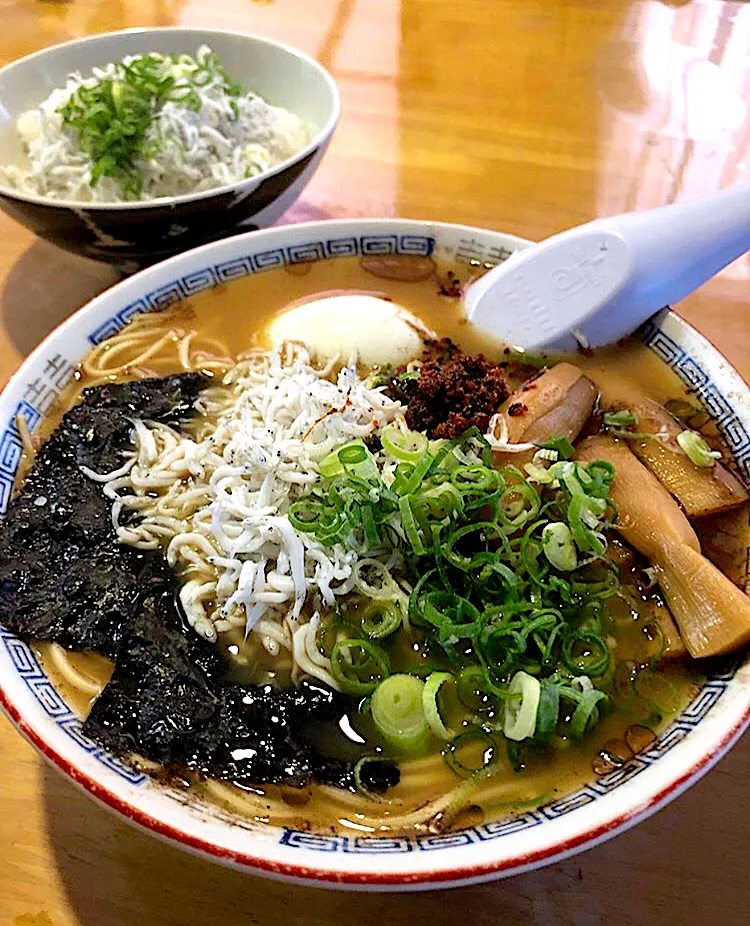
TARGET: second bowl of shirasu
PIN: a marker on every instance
(129, 147)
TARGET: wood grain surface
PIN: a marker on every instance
(522, 115)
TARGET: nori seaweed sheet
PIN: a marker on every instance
(64, 578)
(167, 701)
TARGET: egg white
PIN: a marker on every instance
(376, 330)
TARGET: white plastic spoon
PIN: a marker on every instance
(596, 283)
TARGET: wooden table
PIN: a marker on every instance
(523, 115)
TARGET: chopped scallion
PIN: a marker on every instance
(509, 580)
(697, 449)
(430, 702)
(558, 546)
(408, 446)
(621, 419)
(561, 445)
(397, 710)
(358, 666)
(586, 713)
(381, 619)
(548, 710)
(471, 753)
(520, 714)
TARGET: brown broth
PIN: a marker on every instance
(239, 314)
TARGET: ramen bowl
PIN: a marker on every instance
(133, 234)
(570, 822)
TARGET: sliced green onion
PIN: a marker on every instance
(548, 710)
(411, 528)
(397, 710)
(592, 615)
(418, 597)
(581, 510)
(471, 753)
(313, 517)
(520, 502)
(516, 752)
(621, 419)
(408, 446)
(548, 647)
(480, 534)
(586, 714)
(505, 593)
(558, 546)
(381, 618)
(653, 633)
(598, 581)
(600, 474)
(476, 479)
(328, 633)
(112, 115)
(560, 444)
(353, 457)
(305, 513)
(358, 665)
(520, 714)
(352, 453)
(585, 653)
(503, 646)
(471, 690)
(539, 474)
(451, 615)
(657, 688)
(430, 703)
(369, 525)
(697, 449)
(358, 461)
(410, 477)
(440, 501)
(541, 620)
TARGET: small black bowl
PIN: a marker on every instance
(136, 234)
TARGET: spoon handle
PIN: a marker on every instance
(675, 249)
(597, 283)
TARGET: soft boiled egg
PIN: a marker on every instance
(377, 330)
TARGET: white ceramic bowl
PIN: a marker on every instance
(684, 751)
(138, 234)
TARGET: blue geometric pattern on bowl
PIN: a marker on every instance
(717, 405)
(40, 393)
(30, 671)
(183, 288)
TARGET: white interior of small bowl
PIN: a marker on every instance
(278, 73)
(683, 751)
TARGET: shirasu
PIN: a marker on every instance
(227, 140)
(218, 505)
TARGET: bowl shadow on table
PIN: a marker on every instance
(44, 287)
(47, 284)
(662, 873)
